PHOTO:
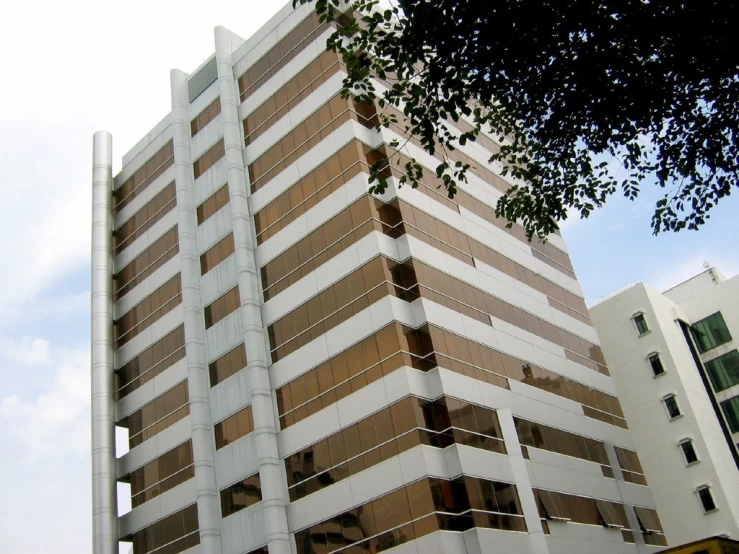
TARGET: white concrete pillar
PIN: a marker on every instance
(264, 407)
(523, 482)
(102, 408)
(628, 506)
(198, 383)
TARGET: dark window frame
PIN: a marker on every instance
(666, 401)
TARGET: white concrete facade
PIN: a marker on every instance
(674, 476)
(272, 523)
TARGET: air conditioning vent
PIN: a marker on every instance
(202, 79)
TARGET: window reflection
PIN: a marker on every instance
(385, 434)
(217, 253)
(360, 365)
(412, 512)
(220, 308)
(205, 117)
(149, 310)
(150, 363)
(214, 203)
(227, 365)
(161, 251)
(241, 495)
(142, 221)
(234, 427)
(170, 535)
(297, 89)
(548, 438)
(143, 177)
(206, 161)
(164, 473)
(165, 410)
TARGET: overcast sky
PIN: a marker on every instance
(72, 68)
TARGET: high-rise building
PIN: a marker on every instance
(303, 367)
(674, 358)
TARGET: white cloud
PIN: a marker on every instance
(55, 422)
(666, 276)
(26, 351)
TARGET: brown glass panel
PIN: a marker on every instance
(285, 50)
(604, 417)
(227, 365)
(160, 252)
(234, 427)
(220, 308)
(579, 509)
(326, 178)
(349, 371)
(241, 495)
(307, 81)
(628, 460)
(630, 466)
(613, 513)
(397, 428)
(170, 535)
(149, 310)
(142, 221)
(353, 293)
(381, 523)
(562, 442)
(552, 506)
(214, 203)
(143, 177)
(151, 362)
(157, 415)
(435, 229)
(499, 364)
(205, 117)
(319, 246)
(217, 253)
(206, 161)
(648, 519)
(460, 297)
(423, 350)
(304, 136)
(654, 539)
(635, 478)
(165, 472)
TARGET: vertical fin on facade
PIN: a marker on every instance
(104, 501)
(274, 487)
(203, 444)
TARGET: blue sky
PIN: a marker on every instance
(615, 246)
(108, 68)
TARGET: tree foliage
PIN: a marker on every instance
(586, 98)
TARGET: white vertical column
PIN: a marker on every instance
(104, 478)
(271, 468)
(622, 491)
(523, 482)
(203, 442)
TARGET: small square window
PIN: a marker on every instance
(641, 324)
(671, 404)
(656, 362)
(706, 498)
(688, 449)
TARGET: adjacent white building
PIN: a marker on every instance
(674, 358)
(302, 367)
